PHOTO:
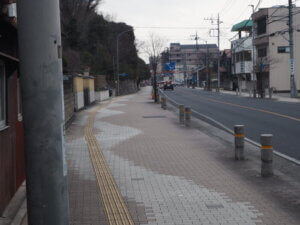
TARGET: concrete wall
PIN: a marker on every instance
(128, 87)
(78, 92)
(101, 95)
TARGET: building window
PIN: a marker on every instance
(2, 96)
(283, 49)
(262, 52)
(247, 56)
(261, 26)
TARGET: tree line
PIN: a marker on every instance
(89, 42)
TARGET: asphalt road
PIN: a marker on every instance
(260, 116)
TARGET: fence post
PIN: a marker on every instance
(181, 114)
(239, 139)
(187, 115)
(266, 155)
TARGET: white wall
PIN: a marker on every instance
(79, 100)
(101, 95)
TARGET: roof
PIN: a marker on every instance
(245, 25)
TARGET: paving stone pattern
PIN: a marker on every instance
(85, 206)
(167, 174)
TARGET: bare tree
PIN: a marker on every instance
(263, 65)
(153, 48)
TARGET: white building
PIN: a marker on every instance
(242, 62)
(272, 47)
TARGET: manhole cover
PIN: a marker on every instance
(214, 205)
(148, 117)
(137, 179)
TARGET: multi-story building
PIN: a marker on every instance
(242, 64)
(190, 58)
(272, 47)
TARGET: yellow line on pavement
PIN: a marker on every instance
(114, 206)
(254, 109)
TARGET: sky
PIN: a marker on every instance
(178, 20)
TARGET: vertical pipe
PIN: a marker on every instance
(43, 111)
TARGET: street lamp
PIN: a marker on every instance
(118, 75)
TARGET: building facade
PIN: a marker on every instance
(12, 165)
(242, 53)
(272, 48)
(192, 58)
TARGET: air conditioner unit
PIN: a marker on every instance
(12, 10)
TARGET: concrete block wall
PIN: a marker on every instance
(69, 100)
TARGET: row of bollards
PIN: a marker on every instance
(266, 149)
(185, 114)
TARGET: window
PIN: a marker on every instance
(261, 26)
(2, 95)
(283, 49)
(247, 56)
(262, 52)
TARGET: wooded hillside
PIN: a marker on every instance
(89, 41)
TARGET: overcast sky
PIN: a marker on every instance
(183, 18)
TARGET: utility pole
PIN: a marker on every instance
(292, 60)
(207, 68)
(118, 65)
(217, 22)
(196, 38)
(253, 78)
(43, 111)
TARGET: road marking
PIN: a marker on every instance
(114, 206)
(254, 109)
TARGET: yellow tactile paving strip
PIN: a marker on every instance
(114, 206)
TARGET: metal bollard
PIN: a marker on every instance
(266, 155)
(187, 116)
(164, 103)
(181, 114)
(239, 140)
(158, 99)
(270, 93)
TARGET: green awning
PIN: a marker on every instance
(245, 25)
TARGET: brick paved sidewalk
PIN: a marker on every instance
(170, 174)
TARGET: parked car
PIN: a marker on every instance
(168, 85)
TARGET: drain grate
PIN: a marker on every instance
(148, 117)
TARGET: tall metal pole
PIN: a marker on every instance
(253, 78)
(118, 69)
(292, 60)
(43, 111)
(218, 52)
(118, 75)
